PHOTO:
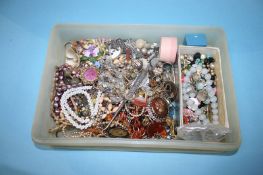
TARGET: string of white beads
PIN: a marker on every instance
(71, 116)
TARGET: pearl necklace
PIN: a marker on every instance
(71, 116)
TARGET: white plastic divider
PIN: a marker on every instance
(215, 53)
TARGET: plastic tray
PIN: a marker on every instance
(55, 56)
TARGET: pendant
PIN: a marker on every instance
(118, 132)
(160, 107)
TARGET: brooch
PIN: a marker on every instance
(89, 75)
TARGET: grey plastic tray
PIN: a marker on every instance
(55, 56)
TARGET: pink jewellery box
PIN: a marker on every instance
(216, 39)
